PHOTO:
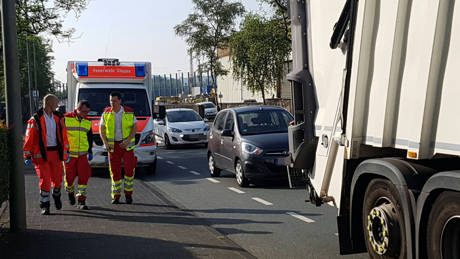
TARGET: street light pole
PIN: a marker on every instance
(13, 117)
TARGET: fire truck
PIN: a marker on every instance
(94, 81)
(376, 102)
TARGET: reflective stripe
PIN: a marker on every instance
(77, 129)
(81, 190)
(78, 153)
(30, 125)
(69, 189)
(111, 139)
(129, 178)
(37, 156)
(44, 196)
(27, 153)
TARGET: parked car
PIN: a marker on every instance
(251, 142)
(210, 110)
(181, 126)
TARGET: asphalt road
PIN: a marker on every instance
(268, 220)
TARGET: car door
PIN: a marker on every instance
(215, 138)
(227, 145)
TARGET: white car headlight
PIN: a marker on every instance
(175, 130)
(251, 149)
(149, 138)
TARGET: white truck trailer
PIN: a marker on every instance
(376, 101)
(94, 81)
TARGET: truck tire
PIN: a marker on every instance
(383, 222)
(443, 230)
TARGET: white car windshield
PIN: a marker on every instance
(183, 116)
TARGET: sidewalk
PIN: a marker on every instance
(151, 227)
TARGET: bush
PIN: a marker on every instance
(4, 164)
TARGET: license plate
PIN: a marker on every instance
(278, 161)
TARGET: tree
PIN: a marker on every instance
(259, 52)
(208, 29)
(44, 16)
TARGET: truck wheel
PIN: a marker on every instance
(240, 177)
(213, 170)
(443, 231)
(383, 223)
(153, 167)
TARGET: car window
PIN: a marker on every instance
(183, 116)
(263, 121)
(219, 121)
(229, 122)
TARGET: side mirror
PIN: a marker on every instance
(227, 133)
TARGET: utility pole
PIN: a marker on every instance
(191, 69)
(35, 78)
(29, 77)
(13, 117)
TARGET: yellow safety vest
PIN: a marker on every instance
(77, 135)
(127, 124)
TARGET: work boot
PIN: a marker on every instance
(57, 198)
(45, 206)
(129, 199)
(116, 201)
(81, 205)
(71, 198)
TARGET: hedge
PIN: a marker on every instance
(4, 165)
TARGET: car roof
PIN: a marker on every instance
(179, 109)
(203, 103)
(255, 108)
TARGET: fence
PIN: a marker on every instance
(182, 84)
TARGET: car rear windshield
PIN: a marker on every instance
(182, 116)
(208, 105)
(263, 122)
(99, 99)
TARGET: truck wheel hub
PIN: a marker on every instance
(379, 220)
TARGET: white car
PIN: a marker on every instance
(210, 109)
(181, 126)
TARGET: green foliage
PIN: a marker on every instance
(259, 52)
(208, 29)
(45, 16)
(4, 165)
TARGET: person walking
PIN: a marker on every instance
(46, 146)
(118, 127)
(80, 137)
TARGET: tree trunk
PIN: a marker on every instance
(263, 94)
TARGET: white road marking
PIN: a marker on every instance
(264, 202)
(194, 172)
(170, 162)
(159, 157)
(182, 167)
(303, 218)
(235, 190)
(213, 180)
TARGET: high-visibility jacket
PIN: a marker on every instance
(127, 125)
(35, 140)
(79, 134)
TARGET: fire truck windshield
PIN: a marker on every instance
(99, 98)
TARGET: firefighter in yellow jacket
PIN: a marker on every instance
(80, 139)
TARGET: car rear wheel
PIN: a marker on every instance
(240, 177)
(213, 170)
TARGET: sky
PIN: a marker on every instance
(134, 30)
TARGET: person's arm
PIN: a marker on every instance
(89, 135)
(104, 138)
(30, 138)
(127, 141)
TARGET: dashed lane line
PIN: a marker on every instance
(170, 162)
(264, 202)
(235, 190)
(213, 180)
(194, 172)
(303, 218)
(159, 157)
(182, 167)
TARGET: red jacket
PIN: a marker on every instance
(35, 140)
